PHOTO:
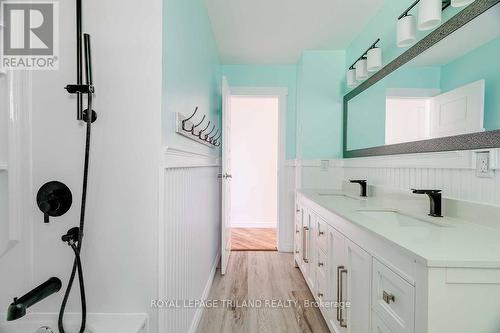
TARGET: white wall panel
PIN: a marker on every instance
(191, 237)
(452, 172)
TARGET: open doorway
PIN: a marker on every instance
(255, 132)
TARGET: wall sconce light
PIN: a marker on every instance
(351, 78)
(429, 14)
(361, 69)
(370, 60)
(407, 31)
(461, 3)
(374, 59)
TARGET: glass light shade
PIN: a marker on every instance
(361, 69)
(374, 61)
(351, 78)
(429, 14)
(407, 31)
(461, 3)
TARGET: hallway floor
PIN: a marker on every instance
(253, 239)
(261, 276)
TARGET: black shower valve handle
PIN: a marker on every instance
(53, 199)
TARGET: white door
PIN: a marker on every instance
(459, 111)
(226, 176)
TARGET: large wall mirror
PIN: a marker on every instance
(442, 94)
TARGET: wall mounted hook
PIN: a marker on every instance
(187, 119)
(194, 126)
(203, 130)
(213, 136)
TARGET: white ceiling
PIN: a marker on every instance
(277, 31)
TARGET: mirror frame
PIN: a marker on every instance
(480, 140)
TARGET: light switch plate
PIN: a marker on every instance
(483, 165)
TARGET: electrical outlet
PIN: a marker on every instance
(324, 165)
(483, 169)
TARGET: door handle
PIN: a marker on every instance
(339, 293)
(388, 298)
(305, 251)
(342, 320)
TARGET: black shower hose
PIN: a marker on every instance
(77, 264)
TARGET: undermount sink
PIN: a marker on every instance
(339, 195)
(402, 219)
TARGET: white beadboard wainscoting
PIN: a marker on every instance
(453, 172)
(189, 234)
(286, 206)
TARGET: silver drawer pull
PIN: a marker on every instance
(388, 298)
(297, 251)
(321, 233)
(320, 264)
(320, 295)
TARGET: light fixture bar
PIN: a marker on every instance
(366, 52)
(446, 4)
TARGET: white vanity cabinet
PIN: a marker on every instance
(336, 270)
(389, 289)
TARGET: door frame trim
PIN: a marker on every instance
(282, 94)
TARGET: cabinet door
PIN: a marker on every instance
(336, 255)
(357, 282)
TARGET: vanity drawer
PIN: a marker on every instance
(378, 326)
(393, 299)
(321, 233)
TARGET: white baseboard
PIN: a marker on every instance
(204, 296)
(237, 224)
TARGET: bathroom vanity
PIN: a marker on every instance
(398, 270)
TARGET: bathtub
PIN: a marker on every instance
(96, 323)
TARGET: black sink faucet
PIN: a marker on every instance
(362, 183)
(435, 199)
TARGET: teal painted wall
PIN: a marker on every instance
(191, 68)
(270, 76)
(478, 64)
(320, 76)
(366, 118)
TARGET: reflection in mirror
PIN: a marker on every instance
(452, 88)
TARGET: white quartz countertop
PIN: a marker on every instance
(437, 242)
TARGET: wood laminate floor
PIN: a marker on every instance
(261, 276)
(253, 239)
